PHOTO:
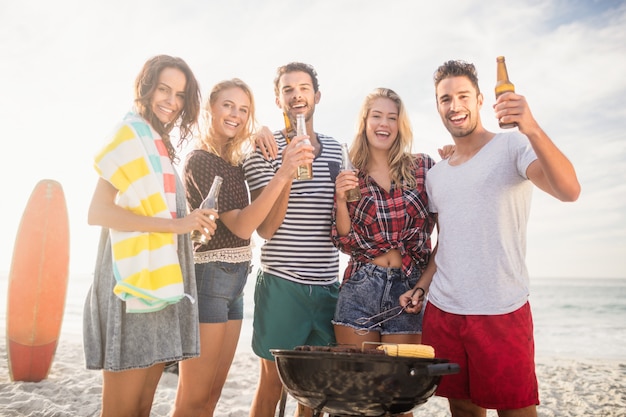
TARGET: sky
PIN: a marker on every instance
(67, 70)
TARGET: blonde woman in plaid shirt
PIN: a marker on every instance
(387, 232)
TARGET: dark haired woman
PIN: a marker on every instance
(140, 311)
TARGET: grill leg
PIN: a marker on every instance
(283, 402)
(299, 409)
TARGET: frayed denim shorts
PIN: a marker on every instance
(372, 290)
(220, 290)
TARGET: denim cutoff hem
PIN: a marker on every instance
(220, 290)
(372, 290)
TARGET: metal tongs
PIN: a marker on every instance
(365, 320)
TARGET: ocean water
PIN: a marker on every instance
(574, 318)
(579, 317)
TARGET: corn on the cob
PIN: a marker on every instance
(408, 350)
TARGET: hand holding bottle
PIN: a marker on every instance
(347, 186)
(203, 223)
(503, 85)
(297, 153)
(305, 170)
(348, 178)
(514, 108)
(208, 208)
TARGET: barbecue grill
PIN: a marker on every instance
(352, 382)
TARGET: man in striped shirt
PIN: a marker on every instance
(297, 283)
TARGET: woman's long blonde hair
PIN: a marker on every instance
(400, 158)
(239, 146)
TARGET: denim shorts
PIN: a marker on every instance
(372, 290)
(220, 290)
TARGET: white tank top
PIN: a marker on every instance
(483, 207)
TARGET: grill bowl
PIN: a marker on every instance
(358, 383)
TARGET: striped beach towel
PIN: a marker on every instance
(146, 265)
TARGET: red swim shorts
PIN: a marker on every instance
(495, 353)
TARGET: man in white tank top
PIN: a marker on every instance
(477, 313)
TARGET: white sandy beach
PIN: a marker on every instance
(568, 386)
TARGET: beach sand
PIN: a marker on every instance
(567, 388)
(570, 385)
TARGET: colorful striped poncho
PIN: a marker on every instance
(145, 265)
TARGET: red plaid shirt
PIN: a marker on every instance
(382, 221)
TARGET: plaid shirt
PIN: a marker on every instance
(382, 221)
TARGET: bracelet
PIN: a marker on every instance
(421, 289)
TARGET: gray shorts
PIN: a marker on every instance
(220, 290)
(372, 290)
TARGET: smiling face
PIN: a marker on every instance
(381, 124)
(229, 113)
(296, 94)
(168, 98)
(459, 105)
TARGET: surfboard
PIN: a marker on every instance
(38, 283)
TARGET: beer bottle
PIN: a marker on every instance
(346, 165)
(503, 85)
(305, 171)
(210, 202)
(288, 128)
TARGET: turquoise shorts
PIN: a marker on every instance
(288, 314)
